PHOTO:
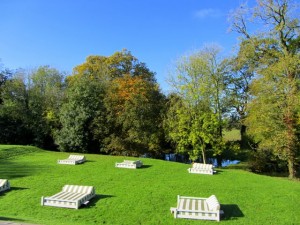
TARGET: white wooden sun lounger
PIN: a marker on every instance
(4, 185)
(71, 196)
(129, 164)
(72, 160)
(197, 208)
(202, 168)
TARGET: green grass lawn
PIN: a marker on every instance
(232, 135)
(141, 196)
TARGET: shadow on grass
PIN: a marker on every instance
(10, 219)
(18, 188)
(145, 166)
(12, 189)
(94, 200)
(89, 161)
(218, 171)
(3, 193)
(275, 174)
(231, 211)
(10, 170)
(11, 151)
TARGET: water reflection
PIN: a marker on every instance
(179, 158)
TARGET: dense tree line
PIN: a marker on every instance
(109, 104)
(113, 105)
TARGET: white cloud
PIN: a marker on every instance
(208, 13)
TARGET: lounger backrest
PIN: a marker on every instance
(132, 162)
(129, 161)
(209, 166)
(78, 189)
(202, 166)
(76, 157)
(195, 165)
(213, 203)
(2, 182)
(198, 165)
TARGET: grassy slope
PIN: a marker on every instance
(142, 196)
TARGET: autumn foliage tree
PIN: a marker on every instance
(134, 111)
(113, 105)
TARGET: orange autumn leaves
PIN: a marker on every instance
(128, 90)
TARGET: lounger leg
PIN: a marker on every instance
(174, 210)
(175, 213)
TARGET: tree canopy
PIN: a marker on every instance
(113, 104)
(273, 113)
(195, 119)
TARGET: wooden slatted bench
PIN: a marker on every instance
(129, 164)
(202, 168)
(71, 196)
(197, 208)
(72, 160)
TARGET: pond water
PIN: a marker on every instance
(173, 157)
(226, 162)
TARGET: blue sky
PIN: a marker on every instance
(62, 33)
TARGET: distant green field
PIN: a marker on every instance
(232, 135)
(142, 196)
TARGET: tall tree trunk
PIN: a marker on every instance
(291, 143)
(243, 143)
(291, 167)
(203, 153)
(203, 157)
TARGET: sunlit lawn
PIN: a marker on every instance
(142, 196)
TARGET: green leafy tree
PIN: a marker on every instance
(14, 111)
(200, 83)
(238, 91)
(5, 74)
(45, 90)
(274, 110)
(82, 107)
(29, 98)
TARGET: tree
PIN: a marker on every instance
(5, 74)
(238, 91)
(113, 105)
(46, 93)
(14, 110)
(31, 100)
(200, 83)
(82, 107)
(134, 107)
(274, 112)
(115, 66)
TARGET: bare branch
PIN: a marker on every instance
(238, 20)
